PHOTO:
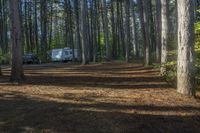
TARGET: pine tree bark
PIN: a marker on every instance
(95, 31)
(113, 25)
(121, 29)
(164, 35)
(134, 33)
(43, 16)
(36, 27)
(186, 54)
(78, 39)
(99, 30)
(22, 24)
(118, 31)
(83, 4)
(106, 29)
(1, 32)
(127, 30)
(26, 27)
(17, 69)
(50, 26)
(158, 30)
(30, 26)
(146, 7)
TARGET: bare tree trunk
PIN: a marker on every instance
(50, 26)
(106, 30)
(83, 4)
(134, 33)
(186, 57)
(71, 30)
(36, 28)
(113, 25)
(118, 31)
(121, 29)
(146, 6)
(22, 24)
(1, 32)
(30, 26)
(127, 30)
(141, 17)
(26, 26)
(78, 39)
(5, 31)
(17, 68)
(158, 30)
(99, 30)
(95, 31)
(164, 35)
(43, 16)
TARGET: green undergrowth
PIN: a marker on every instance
(171, 67)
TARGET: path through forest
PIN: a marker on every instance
(97, 98)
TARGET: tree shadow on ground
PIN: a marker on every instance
(95, 81)
(22, 113)
(108, 76)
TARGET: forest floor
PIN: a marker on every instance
(97, 98)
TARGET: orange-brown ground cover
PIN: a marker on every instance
(101, 98)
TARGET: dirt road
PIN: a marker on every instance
(101, 98)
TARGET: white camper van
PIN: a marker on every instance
(65, 54)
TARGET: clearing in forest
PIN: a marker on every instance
(98, 98)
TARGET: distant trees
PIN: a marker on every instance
(16, 55)
(112, 30)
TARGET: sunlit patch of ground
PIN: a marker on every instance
(98, 98)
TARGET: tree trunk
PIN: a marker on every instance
(31, 38)
(164, 35)
(106, 30)
(95, 31)
(127, 30)
(36, 28)
(22, 25)
(78, 39)
(186, 57)
(26, 26)
(83, 4)
(146, 7)
(158, 30)
(134, 33)
(43, 16)
(1, 30)
(71, 30)
(50, 26)
(113, 30)
(99, 30)
(141, 17)
(118, 31)
(17, 68)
